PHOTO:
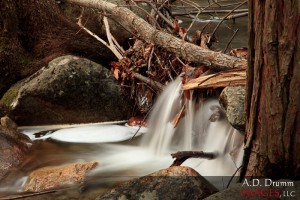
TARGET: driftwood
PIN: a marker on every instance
(221, 79)
(185, 50)
(182, 156)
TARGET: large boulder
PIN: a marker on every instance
(173, 183)
(69, 90)
(232, 100)
(57, 177)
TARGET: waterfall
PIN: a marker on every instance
(195, 132)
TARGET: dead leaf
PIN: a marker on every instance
(137, 44)
(187, 94)
(137, 121)
(139, 62)
(178, 116)
(176, 25)
(116, 73)
(240, 52)
(182, 32)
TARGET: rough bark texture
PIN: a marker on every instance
(188, 51)
(273, 96)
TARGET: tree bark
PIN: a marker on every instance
(185, 50)
(273, 96)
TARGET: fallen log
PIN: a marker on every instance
(187, 51)
(221, 79)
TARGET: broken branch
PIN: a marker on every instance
(156, 85)
(182, 156)
(221, 79)
(188, 51)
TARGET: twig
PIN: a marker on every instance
(112, 41)
(203, 28)
(21, 196)
(110, 46)
(182, 156)
(157, 12)
(140, 126)
(161, 15)
(198, 13)
(153, 21)
(116, 21)
(236, 171)
(225, 18)
(179, 13)
(237, 15)
(150, 58)
(235, 32)
(152, 83)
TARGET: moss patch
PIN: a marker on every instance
(9, 96)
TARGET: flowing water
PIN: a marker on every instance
(151, 151)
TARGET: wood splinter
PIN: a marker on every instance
(182, 156)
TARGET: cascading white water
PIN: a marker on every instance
(194, 132)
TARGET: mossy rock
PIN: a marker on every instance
(11, 95)
(69, 90)
(232, 100)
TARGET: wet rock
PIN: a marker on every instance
(232, 100)
(47, 178)
(11, 128)
(69, 90)
(173, 183)
(8, 123)
(12, 153)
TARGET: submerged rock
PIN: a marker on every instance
(232, 100)
(173, 183)
(47, 178)
(69, 90)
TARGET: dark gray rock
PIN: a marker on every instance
(69, 90)
(173, 183)
(232, 100)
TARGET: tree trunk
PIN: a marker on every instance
(185, 50)
(33, 32)
(273, 96)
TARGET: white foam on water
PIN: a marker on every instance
(194, 132)
(94, 134)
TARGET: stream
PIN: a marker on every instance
(121, 158)
(148, 152)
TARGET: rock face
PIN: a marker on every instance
(47, 178)
(12, 152)
(172, 183)
(69, 90)
(232, 100)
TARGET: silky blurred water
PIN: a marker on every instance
(151, 151)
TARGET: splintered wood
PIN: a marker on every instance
(221, 79)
